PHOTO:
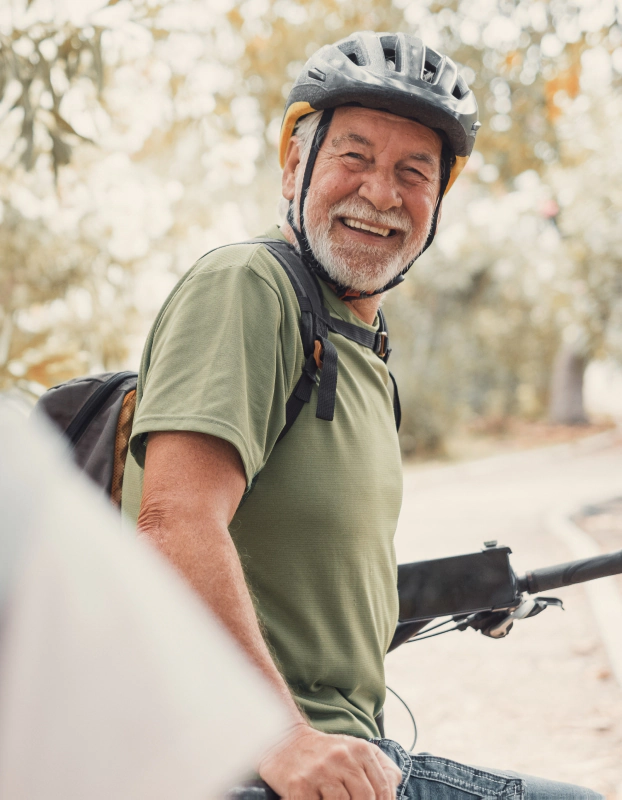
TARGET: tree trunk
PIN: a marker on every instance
(566, 398)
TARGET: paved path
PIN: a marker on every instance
(544, 700)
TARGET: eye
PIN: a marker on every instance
(359, 156)
(414, 173)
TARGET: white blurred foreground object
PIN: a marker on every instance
(115, 682)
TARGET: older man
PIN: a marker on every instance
(290, 538)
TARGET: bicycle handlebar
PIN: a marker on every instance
(586, 569)
(253, 790)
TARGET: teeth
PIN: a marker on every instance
(354, 223)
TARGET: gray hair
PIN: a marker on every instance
(305, 131)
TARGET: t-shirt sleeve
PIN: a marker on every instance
(217, 365)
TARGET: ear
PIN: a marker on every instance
(292, 162)
(440, 214)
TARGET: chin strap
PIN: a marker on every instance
(345, 292)
(301, 235)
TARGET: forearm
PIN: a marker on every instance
(206, 556)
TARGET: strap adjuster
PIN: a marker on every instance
(318, 354)
(382, 344)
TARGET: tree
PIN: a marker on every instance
(182, 103)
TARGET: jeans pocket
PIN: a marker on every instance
(434, 778)
(399, 756)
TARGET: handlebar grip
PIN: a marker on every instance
(586, 569)
(253, 790)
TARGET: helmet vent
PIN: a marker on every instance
(390, 59)
(429, 71)
(354, 52)
(460, 89)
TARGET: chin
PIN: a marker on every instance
(365, 276)
(363, 267)
(363, 272)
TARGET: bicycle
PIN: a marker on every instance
(477, 590)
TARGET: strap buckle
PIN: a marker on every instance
(382, 344)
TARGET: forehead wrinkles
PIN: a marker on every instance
(412, 151)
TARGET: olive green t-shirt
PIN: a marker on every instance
(315, 530)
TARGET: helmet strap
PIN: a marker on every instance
(301, 233)
(447, 158)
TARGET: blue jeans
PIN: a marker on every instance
(427, 777)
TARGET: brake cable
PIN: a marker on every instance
(412, 718)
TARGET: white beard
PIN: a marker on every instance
(369, 268)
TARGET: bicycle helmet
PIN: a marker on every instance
(392, 72)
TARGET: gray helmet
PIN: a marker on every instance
(393, 72)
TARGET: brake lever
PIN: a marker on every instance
(529, 607)
(544, 602)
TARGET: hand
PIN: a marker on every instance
(318, 766)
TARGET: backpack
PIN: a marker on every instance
(95, 413)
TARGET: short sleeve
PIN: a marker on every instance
(221, 363)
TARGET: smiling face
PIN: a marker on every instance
(372, 196)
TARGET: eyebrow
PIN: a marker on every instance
(425, 157)
(363, 140)
(351, 137)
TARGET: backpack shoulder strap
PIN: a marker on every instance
(316, 321)
(397, 406)
(318, 350)
(305, 285)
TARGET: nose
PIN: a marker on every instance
(380, 190)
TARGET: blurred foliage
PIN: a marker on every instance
(38, 65)
(182, 101)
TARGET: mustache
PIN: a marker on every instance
(357, 208)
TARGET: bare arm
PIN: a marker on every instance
(193, 484)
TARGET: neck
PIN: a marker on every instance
(365, 308)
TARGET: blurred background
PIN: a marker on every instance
(135, 135)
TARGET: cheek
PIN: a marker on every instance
(332, 186)
(320, 200)
(421, 206)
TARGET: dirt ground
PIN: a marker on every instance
(492, 436)
(544, 700)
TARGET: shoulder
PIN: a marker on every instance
(244, 263)
(243, 279)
